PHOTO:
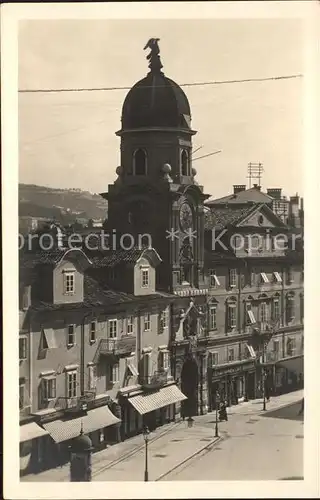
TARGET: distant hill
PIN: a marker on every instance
(65, 205)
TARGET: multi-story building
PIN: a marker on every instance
(89, 353)
(156, 193)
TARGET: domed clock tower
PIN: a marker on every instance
(156, 194)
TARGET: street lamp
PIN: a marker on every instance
(146, 439)
(217, 402)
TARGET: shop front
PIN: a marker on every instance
(235, 382)
(100, 424)
(151, 408)
(288, 375)
(31, 434)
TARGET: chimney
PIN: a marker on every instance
(257, 187)
(294, 211)
(274, 193)
(237, 188)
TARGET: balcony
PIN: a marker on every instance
(117, 347)
(77, 404)
(155, 381)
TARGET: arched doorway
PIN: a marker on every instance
(189, 387)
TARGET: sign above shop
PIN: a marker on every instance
(232, 370)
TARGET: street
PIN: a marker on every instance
(264, 447)
(252, 444)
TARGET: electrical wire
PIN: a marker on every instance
(193, 84)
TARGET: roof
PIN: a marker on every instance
(111, 258)
(221, 217)
(96, 294)
(252, 195)
(29, 260)
(155, 101)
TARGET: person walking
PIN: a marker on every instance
(301, 411)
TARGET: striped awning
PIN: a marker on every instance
(146, 402)
(31, 431)
(63, 430)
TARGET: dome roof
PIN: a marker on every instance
(81, 443)
(156, 101)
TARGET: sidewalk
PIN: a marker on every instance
(169, 446)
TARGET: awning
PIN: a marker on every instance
(98, 418)
(144, 403)
(293, 364)
(31, 431)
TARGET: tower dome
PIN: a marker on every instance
(156, 101)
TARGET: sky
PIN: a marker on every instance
(68, 139)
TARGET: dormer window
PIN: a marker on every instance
(69, 282)
(185, 163)
(145, 277)
(140, 162)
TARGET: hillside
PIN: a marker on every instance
(65, 205)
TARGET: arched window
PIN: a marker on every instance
(185, 163)
(290, 307)
(140, 162)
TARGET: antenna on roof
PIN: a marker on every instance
(254, 172)
(200, 147)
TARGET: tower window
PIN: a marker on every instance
(185, 163)
(140, 162)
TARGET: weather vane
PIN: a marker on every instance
(153, 56)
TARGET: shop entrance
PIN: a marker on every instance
(189, 387)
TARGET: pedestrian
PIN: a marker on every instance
(301, 411)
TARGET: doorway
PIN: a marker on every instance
(189, 387)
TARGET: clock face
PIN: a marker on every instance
(186, 218)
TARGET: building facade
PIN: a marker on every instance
(89, 354)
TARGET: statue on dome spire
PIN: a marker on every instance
(153, 56)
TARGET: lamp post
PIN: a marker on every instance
(146, 439)
(217, 402)
(263, 378)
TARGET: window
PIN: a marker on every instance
(213, 359)
(276, 349)
(145, 278)
(264, 312)
(71, 384)
(213, 317)
(289, 276)
(112, 328)
(232, 278)
(184, 163)
(176, 278)
(251, 320)
(231, 354)
(291, 347)
(252, 278)
(93, 327)
(130, 325)
(213, 278)
(69, 282)
(232, 320)
(140, 162)
(71, 335)
(163, 320)
(48, 388)
(92, 377)
(22, 348)
(21, 396)
(277, 277)
(264, 278)
(114, 373)
(276, 309)
(289, 308)
(48, 339)
(147, 322)
(146, 365)
(301, 308)
(163, 360)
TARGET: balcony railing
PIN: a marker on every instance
(123, 345)
(155, 381)
(76, 404)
